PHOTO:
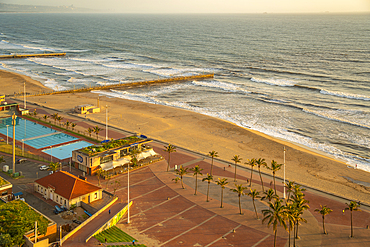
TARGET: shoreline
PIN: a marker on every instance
(203, 134)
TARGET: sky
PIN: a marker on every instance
(210, 6)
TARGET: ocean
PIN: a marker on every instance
(304, 78)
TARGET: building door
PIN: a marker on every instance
(51, 195)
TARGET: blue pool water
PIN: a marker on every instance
(65, 151)
(39, 136)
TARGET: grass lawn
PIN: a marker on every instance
(114, 235)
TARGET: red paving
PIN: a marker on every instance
(176, 217)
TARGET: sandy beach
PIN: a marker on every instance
(203, 134)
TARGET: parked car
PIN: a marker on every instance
(57, 210)
(44, 167)
(20, 161)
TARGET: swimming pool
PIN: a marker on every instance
(34, 134)
(65, 151)
(39, 136)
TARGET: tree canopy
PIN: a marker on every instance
(17, 218)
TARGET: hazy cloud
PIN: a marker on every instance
(209, 6)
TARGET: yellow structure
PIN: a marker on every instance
(85, 109)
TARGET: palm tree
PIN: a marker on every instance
(196, 170)
(269, 194)
(96, 130)
(324, 210)
(213, 154)
(274, 168)
(222, 182)
(54, 166)
(300, 205)
(261, 162)
(290, 216)
(209, 178)
(59, 118)
(134, 159)
(289, 185)
(254, 194)
(240, 190)
(181, 172)
(352, 206)
(67, 124)
(73, 125)
(98, 173)
(55, 117)
(275, 216)
(89, 130)
(236, 160)
(169, 149)
(252, 163)
(45, 117)
(35, 113)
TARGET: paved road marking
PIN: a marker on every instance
(169, 218)
(188, 230)
(268, 235)
(155, 206)
(135, 184)
(132, 199)
(192, 162)
(118, 177)
(223, 236)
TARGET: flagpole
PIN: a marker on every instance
(284, 172)
(128, 194)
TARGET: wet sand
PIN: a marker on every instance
(204, 134)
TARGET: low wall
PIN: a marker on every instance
(111, 222)
(70, 234)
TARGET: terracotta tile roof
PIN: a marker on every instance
(67, 185)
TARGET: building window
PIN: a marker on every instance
(4, 193)
(96, 195)
(106, 159)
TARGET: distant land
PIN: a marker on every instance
(17, 8)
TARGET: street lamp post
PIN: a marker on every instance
(128, 193)
(24, 95)
(106, 122)
(14, 117)
(7, 134)
(284, 172)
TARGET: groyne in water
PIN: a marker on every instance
(122, 85)
(32, 55)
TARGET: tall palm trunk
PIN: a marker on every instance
(351, 226)
(274, 182)
(235, 173)
(240, 206)
(182, 184)
(296, 230)
(259, 170)
(250, 182)
(275, 233)
(255, 210)
(294, 234)
(212, 166)
(222, 196)
(323, 224)
(169, 159)
(290, 229)
(196, 183)
(208, 189)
